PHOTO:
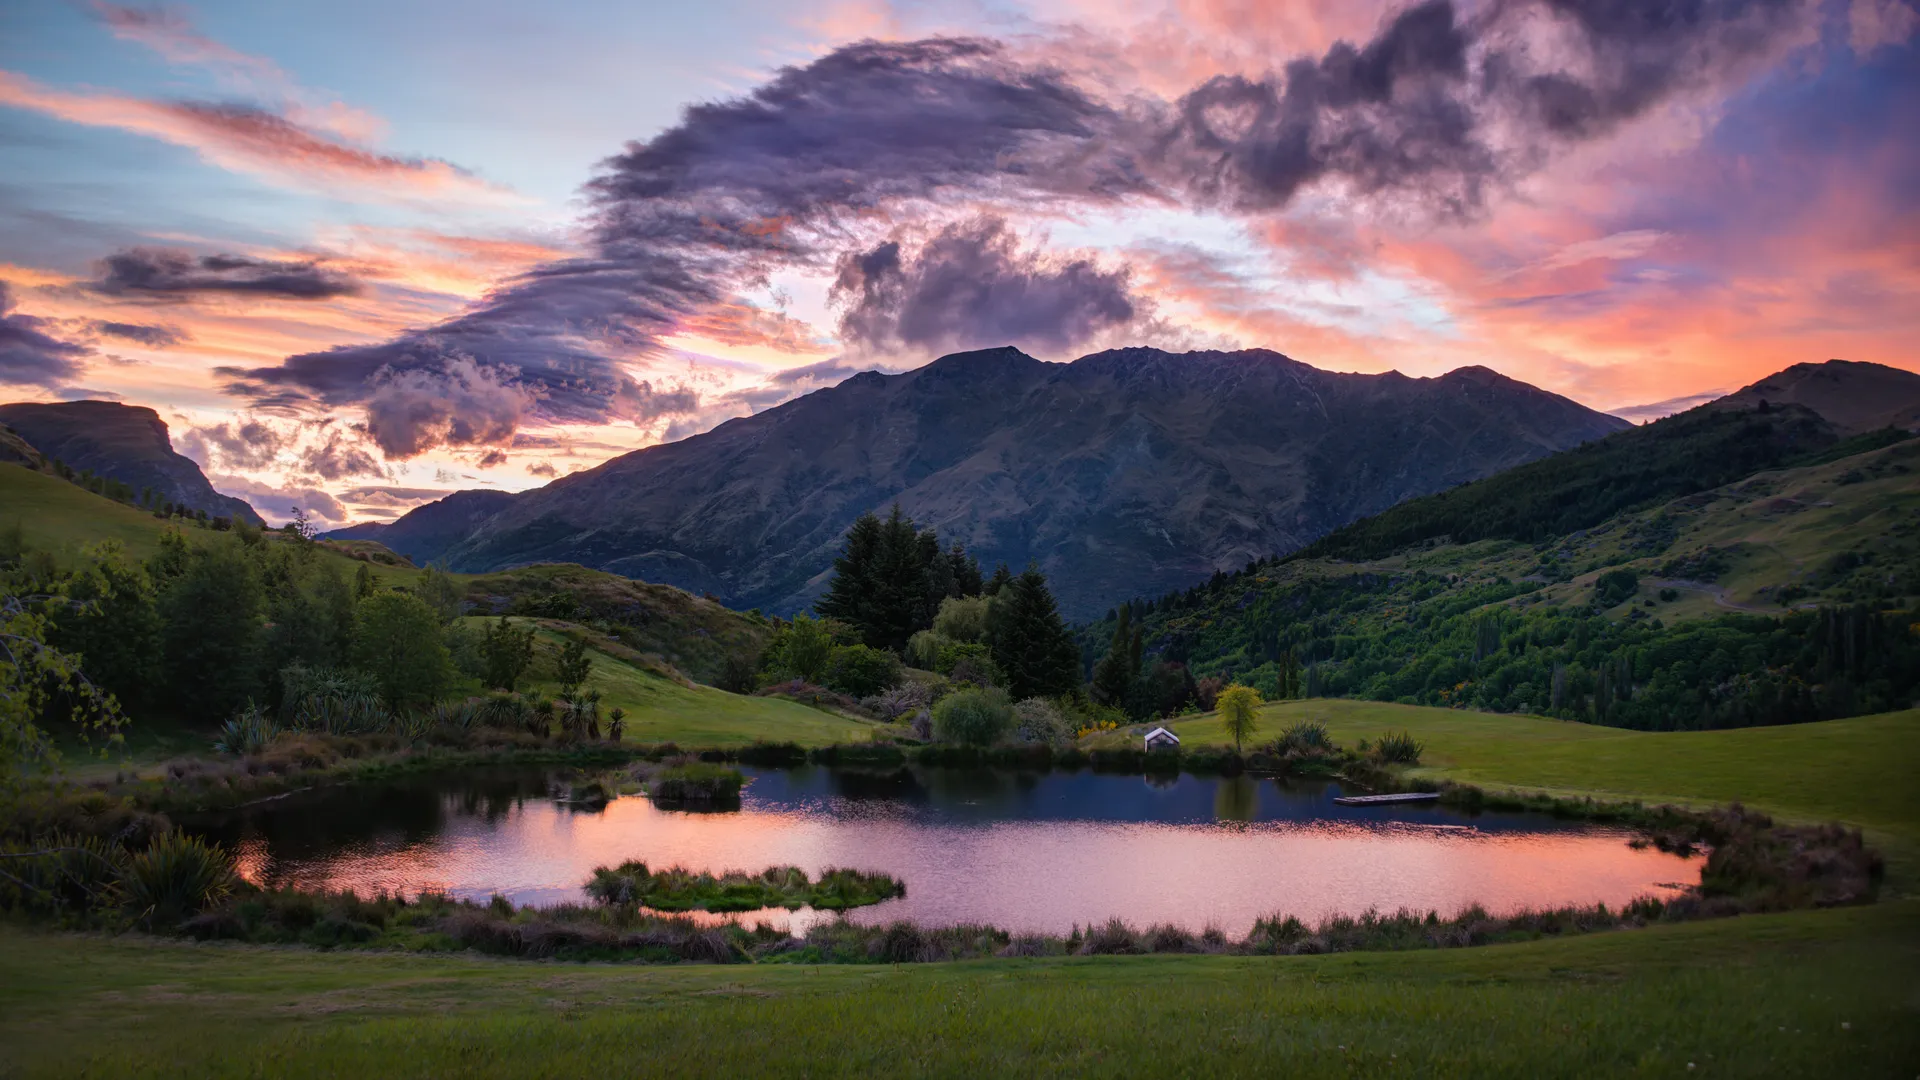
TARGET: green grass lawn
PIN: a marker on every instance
(1859, 771)
(1819, 994)
(661, 709)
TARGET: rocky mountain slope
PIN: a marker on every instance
(1122, 473)
(128, 443)
(426, 532)
(1854, 397)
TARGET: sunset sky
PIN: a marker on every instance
(363, 253)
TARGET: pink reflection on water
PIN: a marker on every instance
(1042, 876)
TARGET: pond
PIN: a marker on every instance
(1024, 851)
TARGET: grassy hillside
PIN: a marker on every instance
(1816, 994)
(1582, 487)
(1858, 770)
(673, 627)
(692, 633)
(1636, 609)
(62, 519)
(662, 706)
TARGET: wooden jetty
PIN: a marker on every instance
(1380, 800)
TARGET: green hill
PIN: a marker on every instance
(1781, 596)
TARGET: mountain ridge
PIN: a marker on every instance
(1122, 467)
(128, 443)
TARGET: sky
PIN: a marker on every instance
(358, 255)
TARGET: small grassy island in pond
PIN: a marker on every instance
(684, 780)
(631, 884)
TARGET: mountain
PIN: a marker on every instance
(427, 531)
(1854, 397)
(1810, 410)
(127, 443)
(1123, 472)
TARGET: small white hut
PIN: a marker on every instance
(1162, 739)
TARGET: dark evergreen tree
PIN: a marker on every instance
(1002, 577)
(850, 595)
(1114, 675)
(211, 631)
(967, 580)
(1029, 642)
(888, 581)
(113, 625)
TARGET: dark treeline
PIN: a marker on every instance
(1431, 640)
(211, 623)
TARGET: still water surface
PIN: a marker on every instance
(1025, 851)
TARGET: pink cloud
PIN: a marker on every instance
(256, 141)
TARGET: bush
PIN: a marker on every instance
(860, 671)
(1397, 748)
(1039, 720)
(898, 701)
(965, 663)
(1615, 586)
(973, 716)
(177, 876)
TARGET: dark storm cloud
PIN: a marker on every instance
(29, 355)
(172, 272)
(970, 286)
(154, 336)
(1638, 54)
(1435, 111)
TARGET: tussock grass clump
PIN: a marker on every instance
(249, 731)
(632, 884)
(176, 876)
(1397, 748)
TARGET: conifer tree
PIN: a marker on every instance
(1114, 675)
(1029, 641)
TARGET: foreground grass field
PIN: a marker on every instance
(1858, 771)
(1834, 993)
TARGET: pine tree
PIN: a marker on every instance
(1115, 674)
(966, 571)
(1002, 577)
(1029, 641)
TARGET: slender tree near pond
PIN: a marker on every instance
(505, 652)
(574, 668)
(1238, 707)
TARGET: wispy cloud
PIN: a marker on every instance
(259, 141)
